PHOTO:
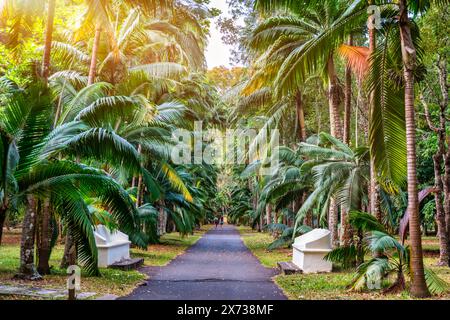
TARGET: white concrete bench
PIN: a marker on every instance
(310, 249)
(112, 246)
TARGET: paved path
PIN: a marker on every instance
(219, 266)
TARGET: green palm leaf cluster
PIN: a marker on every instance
(100, 153)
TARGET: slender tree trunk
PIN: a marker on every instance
(438, 157)
(308, 221)
(348, 99)
(139, 191)
(44, 249)
(261, 217)
(3, 211)
(418, 285)
(333, 217)
(447, 191)
(95, 47)
(336, 131)
(164, 224)
(346, 235)
(297, 204)
(261, 223)
(440, 213)
(255, 204)
(27, 267)
(334, 100)
(48, 39)
(162, 219)
(300, 116)
(360, 248)
(362, 116)
(375, 208)
(374, 188)
(268, 214)
(442, 71)
(70, 252)
(346, 230)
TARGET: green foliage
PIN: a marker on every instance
(83, 146)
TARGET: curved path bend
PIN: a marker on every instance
(217, 267)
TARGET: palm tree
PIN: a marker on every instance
(418, 286)
(48, 39)
(106, 125)
(311, 33)
(341, 173)
(33, 174)
(393, 260)
(98, 18)
(304, 46)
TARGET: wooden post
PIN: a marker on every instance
(73, 282)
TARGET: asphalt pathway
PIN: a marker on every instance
(218, 267)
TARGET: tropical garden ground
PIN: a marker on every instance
(112, 281)
(328, 285)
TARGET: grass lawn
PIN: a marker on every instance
(112, 281)
(326, 285)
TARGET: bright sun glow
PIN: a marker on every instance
(217, 52)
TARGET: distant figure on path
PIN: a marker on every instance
(216, 221)
(221, 221)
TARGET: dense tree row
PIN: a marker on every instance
(86, 123)
(329, 60)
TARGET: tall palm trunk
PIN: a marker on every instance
(348, 98)
(139, 191)
(70, 252)
(300, 115)
(268, 214)
(95, 47)
(3, 211)
(308, 221)
(438, 157)
(346, 231)
(334, 100)
(445, 221)
(374, 188)
(438, 185)
(440, 213)
(261, 224)
(336, 131)
(162, 219)
(44, 248)
(346, 235)
(418, 285)
(447, 191)
(27, 267)
(333, 219)
(48, 39)
(255, 206)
